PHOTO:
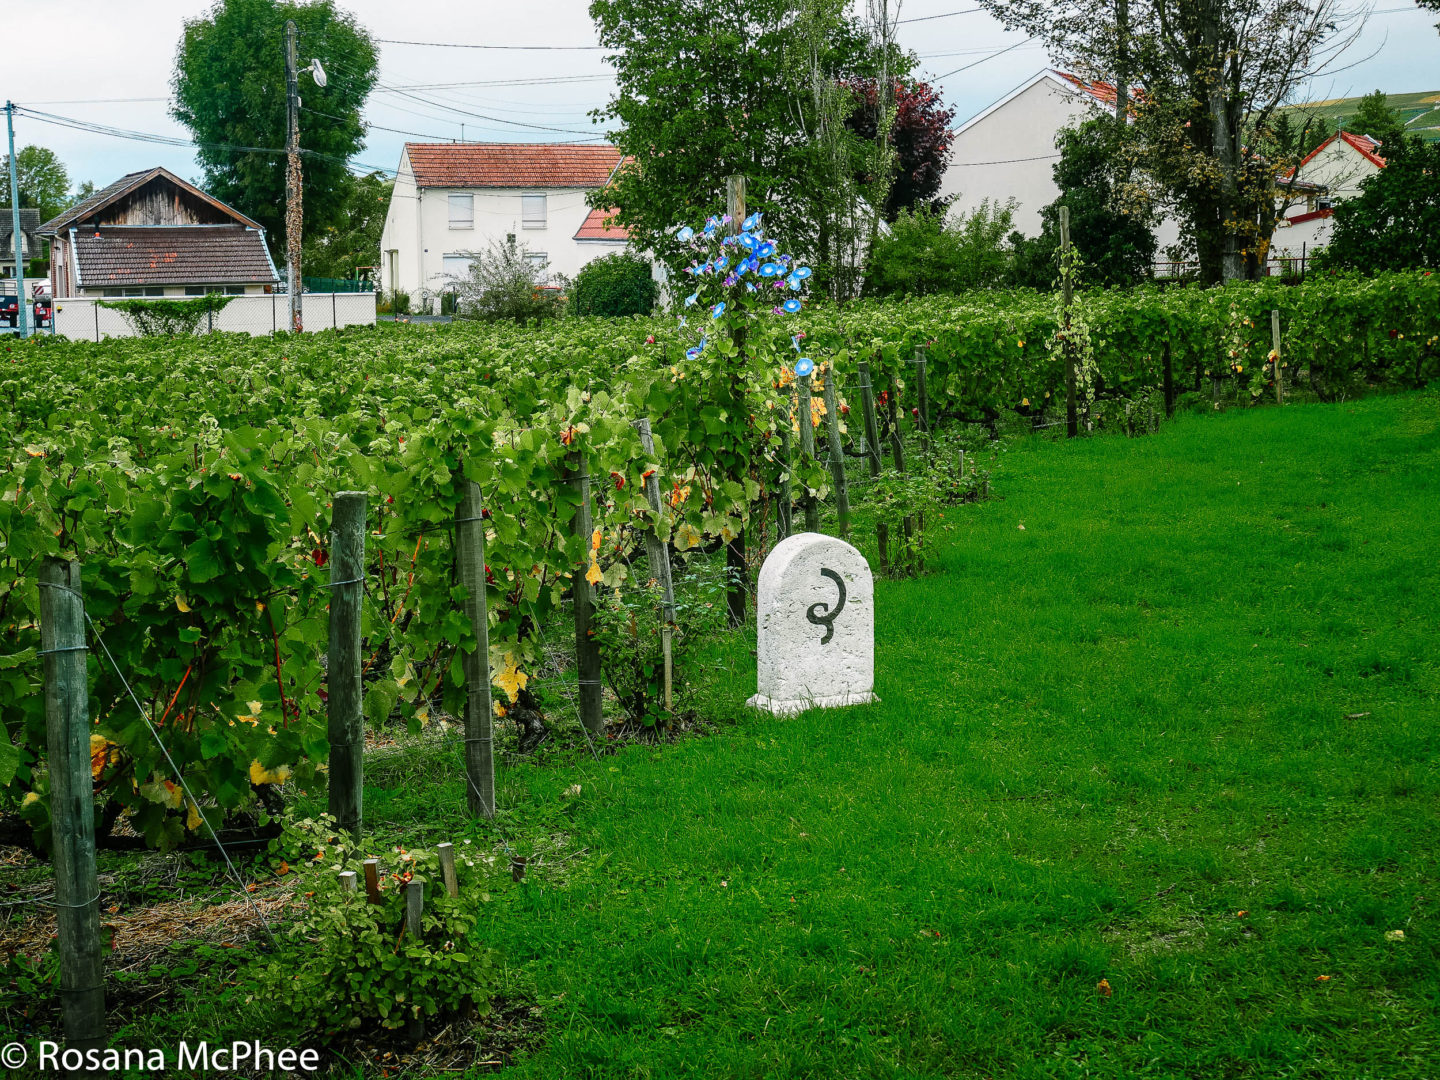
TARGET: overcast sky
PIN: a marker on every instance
(125, 50)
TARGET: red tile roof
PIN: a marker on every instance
(1363, 144)
(511, 165)
(1103, 92)
(596, 226)
(171, 255)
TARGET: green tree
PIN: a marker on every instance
(710, 88)
(229, 88)
(1376, 119)
(354, 241)
(1115, 244)
(41, 177)
(505, 284)
(924, 252)
(1394, 223)
(617, 284)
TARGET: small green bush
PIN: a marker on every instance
(617, 284)
(346, 963)
(925, 253)
(165, 318)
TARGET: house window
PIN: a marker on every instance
(539, 260)
(134, 292)
(455, 266)
(532, 211)
(462, 211)
(204, 290)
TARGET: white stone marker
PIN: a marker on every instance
(817, 626)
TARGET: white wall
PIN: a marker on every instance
(83, 319)
(1010, 152)
(418, 235)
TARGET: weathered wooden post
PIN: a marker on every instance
(414, 927)
(923, 394)
(837, 452)
(1275, 344)
(872, 442)
(658, 554)
(72, 814)
(348, 884)
(587, 649)
(738, 588)
(446, 851)
(344, 706)
(372, 880)
(1169, 374)
(807, 449)
(479, 712)
(786, 508)
(1067, 292)
(897, 452)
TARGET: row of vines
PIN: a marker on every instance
(192, 478)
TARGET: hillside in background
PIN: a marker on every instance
(1420, 111)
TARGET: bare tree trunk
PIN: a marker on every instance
(1226, 147)
(1122, 62)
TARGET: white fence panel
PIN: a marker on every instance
(85, 319)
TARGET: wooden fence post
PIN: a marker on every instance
(737, 591)
(872, 443)
(372, 880)
(587, 650)
(414, 927)
(785, 523)
(923, 393)
(446, 852)
(1169, 382)
(658, 555)
(344, 706)
(72, 815)
(807, 449)
(837, 452)
(479, 712)
(1067, 292)
(348, 884)
(1275, 344)
(897, 452)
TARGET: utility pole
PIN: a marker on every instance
(293, 211)
(23, 314)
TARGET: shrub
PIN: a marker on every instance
(346, 963)
(164, 318)
(1394, 223)
(505, 285)
(617, 284)
(925, 253)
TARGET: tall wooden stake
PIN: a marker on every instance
(785, 524)
(658, 555)
(344, 705)
(807, 449)
(414, 927)
(479, 712)
(737, 590)
(837, 452)
(1067, 293)
(897, 452)
(872, 446)
(1275, 344)
(924, 395)
(72, 814)
(587, 649)
(1169, 382)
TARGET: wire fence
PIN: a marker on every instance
(89, 319)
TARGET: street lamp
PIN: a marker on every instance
(294, 214)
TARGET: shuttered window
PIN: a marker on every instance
(532, 211)
(462, 211)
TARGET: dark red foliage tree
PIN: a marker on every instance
(920, 135)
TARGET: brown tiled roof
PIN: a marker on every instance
(127, 183)
(29, 226)
(551, 165)
(172, 255)
(594, 227)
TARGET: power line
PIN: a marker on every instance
(943, 15)
(517, 48)
(983, 59)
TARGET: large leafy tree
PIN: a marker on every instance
(354, 240)
(1394, 223)
(229, 90)
(1377, 119)
(41, 178)
(920, 134)
(710, 88)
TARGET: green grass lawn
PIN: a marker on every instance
(1177, 733)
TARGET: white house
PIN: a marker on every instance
(452, 200)
(1339, 165)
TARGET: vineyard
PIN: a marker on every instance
(193, 480)
(203, 486)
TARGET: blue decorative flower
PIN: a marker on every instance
(766, 249)
(792, 305)
(769, 269)
(690, 300)
(748, 242)
(750, 285)
(804, 366)
(717, 310)
(802, 272)
(795, 342)
(692, 352)
(685, 234)
(721, 263)
(794, 283)
(750, 222)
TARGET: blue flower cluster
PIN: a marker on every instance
(744, 257)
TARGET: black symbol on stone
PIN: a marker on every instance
(827, 618)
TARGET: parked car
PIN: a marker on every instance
(43, 313)
(9, 309)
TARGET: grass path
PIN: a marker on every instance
(1178, 733)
